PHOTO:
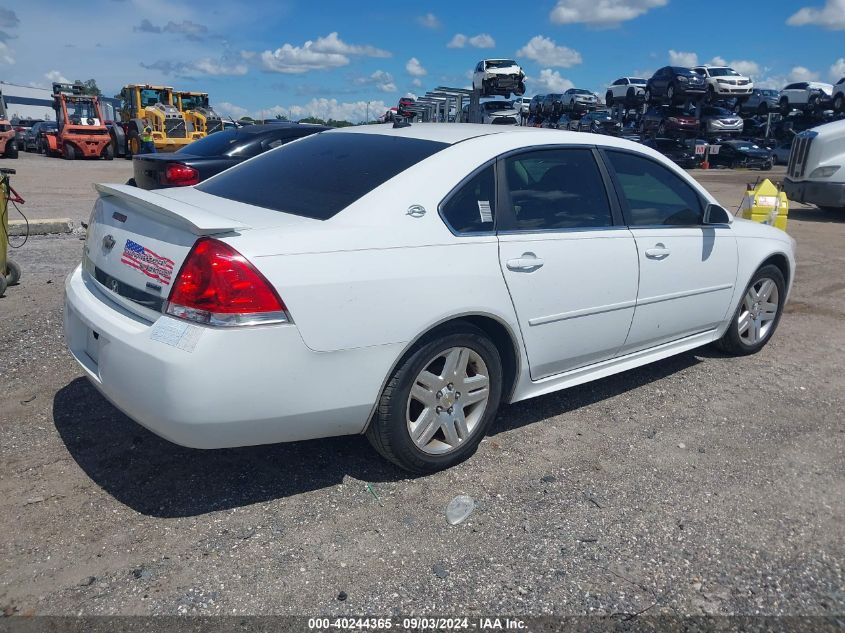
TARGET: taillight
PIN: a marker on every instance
(218, 286)
(180, 175)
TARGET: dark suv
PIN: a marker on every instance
(535, 106)
(552, 105)
(675, 84)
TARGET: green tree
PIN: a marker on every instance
(90, 87)
(281, 117)
(312, 119)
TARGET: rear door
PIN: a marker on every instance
(687, 270)
(569, 263)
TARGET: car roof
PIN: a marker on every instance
(266, 128)
(450, 133)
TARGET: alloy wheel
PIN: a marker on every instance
(448, 400)
(759, 311)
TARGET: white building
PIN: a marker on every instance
(25, 102)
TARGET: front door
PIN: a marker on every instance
(687, 270)
(570, 268)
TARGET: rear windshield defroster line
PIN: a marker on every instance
(321, 175)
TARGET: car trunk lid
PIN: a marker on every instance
(148, 169)
(136, 243)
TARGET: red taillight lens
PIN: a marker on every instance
(180, 175)
(218, 286)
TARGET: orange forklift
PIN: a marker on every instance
(81, 132)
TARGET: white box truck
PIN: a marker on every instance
(816, 170)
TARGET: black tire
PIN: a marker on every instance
(767, 166)
(812, 104)
(630, 97)
(608, 99)
(839, 103)
(711, 94)
(131, 182)
(388, 430)
(68, 152)
(731, 342)
(784, 106)
(108, 153)
(13, 272)
(11, 150)
(647, 95)
(2, 285)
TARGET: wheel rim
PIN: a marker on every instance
(448, 400)
(758, 312)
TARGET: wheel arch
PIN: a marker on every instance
(501, 334)
(781, 261)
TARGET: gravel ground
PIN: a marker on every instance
(698, 485)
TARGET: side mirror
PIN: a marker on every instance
(714, 214)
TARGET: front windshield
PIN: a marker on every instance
(723, 72)
(150, 97)
(192, 102)
(578, 91)
(500, 63)
(638, 82)
(493, 106)
(769, 93)
(80, 111)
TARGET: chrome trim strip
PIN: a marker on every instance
(612, 307)
(682, 294)
(574, 314)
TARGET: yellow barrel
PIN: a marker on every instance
(765, 203)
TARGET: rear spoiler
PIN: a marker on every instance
(199, 221)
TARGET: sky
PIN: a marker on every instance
(354, 60)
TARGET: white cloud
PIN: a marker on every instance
(546, 52)
(831, 16)
(548, 81)
(230, 109)
(429, 21)
(800, 73)
(415, 68)
(482, 40)
(411, 95)
(331, 43)
(55, 75)
(329, 109)
(204, 66)
(8, 18)
(380, 79)
(680, 58)
(323, 53)
(416, 82)
(6, 54)
(601, 13)
(837, 69)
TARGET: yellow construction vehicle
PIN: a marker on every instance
(143, 105)
(194, 107)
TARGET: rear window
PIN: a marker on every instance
(321, 175)
(215, 144)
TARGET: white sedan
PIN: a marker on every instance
(404, 282)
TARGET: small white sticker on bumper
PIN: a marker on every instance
(182, 336)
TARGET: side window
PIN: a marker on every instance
(556, 189)
(471, 209)
(655, 195)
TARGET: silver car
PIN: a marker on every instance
(720, 121)
(761, 101)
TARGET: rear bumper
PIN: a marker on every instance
(240, 387)
(823, 194)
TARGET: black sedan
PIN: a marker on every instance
(676, 151)
(214, 153)
(741, 154)
(599, 122)
(33, 138)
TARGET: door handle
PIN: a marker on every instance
(659, 251)
(528, 263)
